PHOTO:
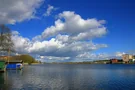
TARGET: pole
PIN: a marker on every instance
(8, 55)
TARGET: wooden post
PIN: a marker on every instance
(8, 55)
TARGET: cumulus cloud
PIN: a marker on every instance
(100, 56)
(12, 11)
(93, 56)
(75, 26)
(15, 33)
(50, 9)
(119, 54)
(21, 44)
(58, 49)
(53, 58)
(53, 48)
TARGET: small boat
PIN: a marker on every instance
(2, 65)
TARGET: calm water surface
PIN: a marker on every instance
(70, 77)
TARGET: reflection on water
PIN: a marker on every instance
(3, 82)
(7, 79)
(69, 77)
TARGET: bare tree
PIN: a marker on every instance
(6, 43)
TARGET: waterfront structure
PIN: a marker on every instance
(126, 58)
(3, 57)
(2, 66)
(14, 64)
(113, 61)
(134, 57)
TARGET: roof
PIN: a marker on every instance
(4, 56)
(15, 61)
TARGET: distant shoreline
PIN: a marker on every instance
(74, 63)
(31, 63)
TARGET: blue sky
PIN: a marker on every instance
(118, 17)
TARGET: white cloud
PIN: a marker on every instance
(45, 47)
(50, 9)
(63, 38)
(58, 49)
(119, 54)
(75, 26)
(93, 56)
(21, 44)
(12, 11)
(15, 33)
(93, 33)
(87, 56)
(53, 58)
(53, 47)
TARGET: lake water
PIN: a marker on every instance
(70, 77)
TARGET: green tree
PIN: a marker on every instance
(27, 59)
(6, 43)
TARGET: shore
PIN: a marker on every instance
(31, 63)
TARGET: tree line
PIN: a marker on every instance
(25, 58)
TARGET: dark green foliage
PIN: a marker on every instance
(26, 58)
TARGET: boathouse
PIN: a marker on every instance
(14, 64)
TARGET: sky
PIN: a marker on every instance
(70, 30)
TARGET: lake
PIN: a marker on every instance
(70, 77)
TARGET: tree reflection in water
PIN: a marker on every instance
(5, 80)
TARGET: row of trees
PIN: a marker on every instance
(26, 58)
